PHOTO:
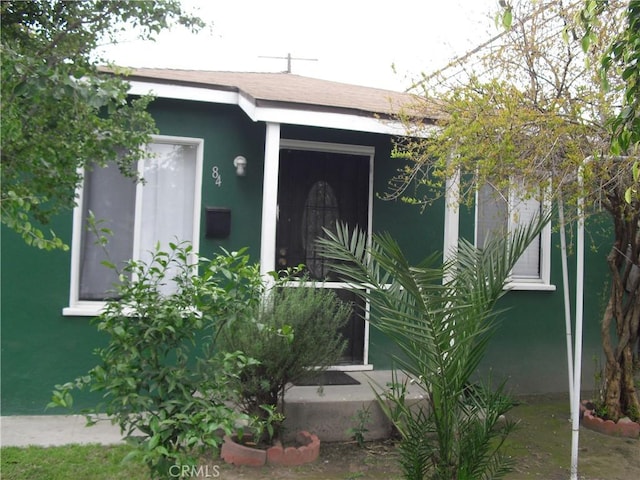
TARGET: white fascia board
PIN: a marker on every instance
(183, 92)
(248, 106)
(340, 121)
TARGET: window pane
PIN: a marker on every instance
(165, 214)
(493, 215)
(528, 265)
(499, 213)
(111, 198)
(167, 198)
(320, 211)
(167, 195)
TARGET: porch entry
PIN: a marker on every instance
(316, 189)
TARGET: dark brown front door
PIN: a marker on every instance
(316, 190)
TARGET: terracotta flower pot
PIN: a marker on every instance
(307, 451)
(624, 427)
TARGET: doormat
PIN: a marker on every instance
(330, 377)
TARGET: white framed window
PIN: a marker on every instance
(499, 212)
(162, 209)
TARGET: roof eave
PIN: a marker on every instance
(272, 111)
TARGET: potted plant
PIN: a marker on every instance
(292, 335)
(595, 415)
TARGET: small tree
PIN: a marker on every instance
(529, 109)
(442, 330)
(619, 59)
(59, 113)
(161, 378)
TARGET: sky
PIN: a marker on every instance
(350, 41)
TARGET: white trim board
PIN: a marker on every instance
(340, 121)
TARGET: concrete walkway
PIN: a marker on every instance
(328, 412)
(53, 430)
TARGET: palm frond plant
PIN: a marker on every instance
(441, 316)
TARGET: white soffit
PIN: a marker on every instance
(183, 92)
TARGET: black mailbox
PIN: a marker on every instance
(218, 222)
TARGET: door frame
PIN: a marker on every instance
(349, 149)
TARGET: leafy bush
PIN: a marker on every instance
(162, 380)
(293, 335)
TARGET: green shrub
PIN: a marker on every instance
(294, 334)
(162, 380)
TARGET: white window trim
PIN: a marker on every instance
(84, 308)
(543, 282)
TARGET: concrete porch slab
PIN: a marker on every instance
(328, 412)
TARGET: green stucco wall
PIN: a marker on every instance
(41, 348)
(529, 348)
(227, 133)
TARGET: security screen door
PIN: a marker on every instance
(316, 189)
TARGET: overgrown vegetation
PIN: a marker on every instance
(161, 378)
(190, 337)
(546, 98)
(538, 449)
(360, 428)
(59, 113)
(621, 60)
(441, 317)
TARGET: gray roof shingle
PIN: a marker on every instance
(295, 91)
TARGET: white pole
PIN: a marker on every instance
(575, 424)
(451, 219)
(270, 200)
(567, 299)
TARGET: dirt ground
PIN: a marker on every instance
(540, 448)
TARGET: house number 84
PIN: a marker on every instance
(215, 174)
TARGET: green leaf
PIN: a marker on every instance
(132, 456)
(154, 441)
(586, 42)
(108, 264)
(507, 18)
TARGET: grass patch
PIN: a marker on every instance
(70, 461)
(540, 448)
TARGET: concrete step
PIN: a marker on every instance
(331, 411)
(328, 412)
